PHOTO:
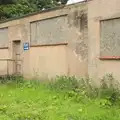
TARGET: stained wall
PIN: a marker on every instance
(58, 42)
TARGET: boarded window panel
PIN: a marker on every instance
(3, 37)
(49, 31)
(110, 38)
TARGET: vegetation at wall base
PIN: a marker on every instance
(65, 98)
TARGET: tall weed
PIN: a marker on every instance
(79, 88)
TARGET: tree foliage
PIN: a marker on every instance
(15, 8)
(4, 2)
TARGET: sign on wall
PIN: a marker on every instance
(26, 46)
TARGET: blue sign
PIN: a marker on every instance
(26, 46)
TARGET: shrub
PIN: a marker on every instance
(65, 83)
(108, 89)
(11, 79)
(76, 88)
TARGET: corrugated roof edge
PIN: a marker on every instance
(41, 11)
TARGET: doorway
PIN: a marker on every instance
(17, 57)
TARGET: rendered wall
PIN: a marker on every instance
(101, 10)
(4, 40)
(78, 43)
(110, 38)
(68, 28)
(57, 39)
(49, 31)
(3, 61)
(48, 62)
(4, 37)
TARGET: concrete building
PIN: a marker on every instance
(104, 38)
(81, 39)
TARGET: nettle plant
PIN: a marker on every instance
(79, 88)
(109, 90)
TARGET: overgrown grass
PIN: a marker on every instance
(67, 98)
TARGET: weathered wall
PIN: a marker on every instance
(75, 49)
(68, 28)
(100, 10)
(58, 42)
(48, 62)
(4, 37)
(78, 43)
(110, 38)
(50, 31)
(3, 62)
(4, 40)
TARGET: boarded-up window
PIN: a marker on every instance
(49, 31)
(3, 37)
(110, 38)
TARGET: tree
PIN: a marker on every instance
(15, 8)
(64, 1)
(4, 2)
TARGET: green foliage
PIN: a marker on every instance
(11, 11)
(65, 83)
(68, 99)
(15, 8)
(109, 89)
(4, 2)
(81, 86)
(45, 4)
(11, 79)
